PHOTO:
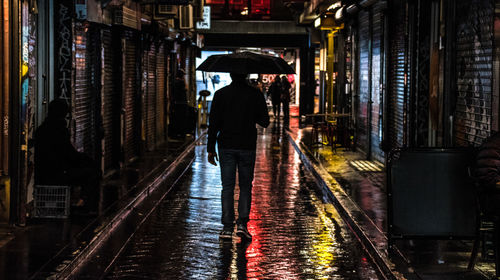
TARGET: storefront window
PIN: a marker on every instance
(211, 81)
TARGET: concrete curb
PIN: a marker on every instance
(72, 267)
(348, 209)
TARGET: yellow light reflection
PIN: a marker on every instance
(322, 244)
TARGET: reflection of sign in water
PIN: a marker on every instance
(205, 23)
(81, 9)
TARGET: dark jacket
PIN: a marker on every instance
(234, 112)
(180, 91)
(54, 153)
(285, 91)
(275, 92)
(487, 169)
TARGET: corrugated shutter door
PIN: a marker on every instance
(396, 106)
(474, 71)
(150, 101)
(188, 77)
(169, 85)
(376, 120)
(364, 79)
(130, 141)
(160, 95)
(85, 98)
(111, 102)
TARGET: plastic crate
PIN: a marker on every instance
(51, 201)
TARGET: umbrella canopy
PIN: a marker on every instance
(246, 63)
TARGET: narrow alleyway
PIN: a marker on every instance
(296, 236)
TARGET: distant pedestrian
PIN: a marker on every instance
(285, 97)
(215, 78)
(234, 113)
(275, 92)
(180, 110)
(58, 163)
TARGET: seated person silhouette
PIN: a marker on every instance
(487, 171)
(57, 162)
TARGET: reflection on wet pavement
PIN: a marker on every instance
(296, 236)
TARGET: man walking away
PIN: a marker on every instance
(275, 92)
(235, 111)
(285, 97)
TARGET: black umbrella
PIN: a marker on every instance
(246, 63)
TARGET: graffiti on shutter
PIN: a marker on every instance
(63, 48)
(474, 71)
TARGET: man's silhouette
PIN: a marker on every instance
(235, 111)
(275, 93)
(285, 97)
(57, 162)
(180, 108)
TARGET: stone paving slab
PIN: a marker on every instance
(296, 234)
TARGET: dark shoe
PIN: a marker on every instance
(242, 232)
(226, 234)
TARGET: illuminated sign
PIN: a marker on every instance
(166, 2)
(205, 23)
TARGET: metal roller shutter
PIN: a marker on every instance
(169, 84)
(86, 83)
(150, 97)
(423, 53)
(130, 104)
(160, 95)
(397, 76)
(111, 103)
(474, 71)
(376, 75)
(187, 68)
(364, 79)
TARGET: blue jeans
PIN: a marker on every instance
(244, 161)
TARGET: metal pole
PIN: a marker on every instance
(330, 59)
(12, 80)
(449, 75)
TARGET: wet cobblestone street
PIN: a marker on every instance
(295, 234)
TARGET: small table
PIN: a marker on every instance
(327, 125)
(335, 129)
(318, 126)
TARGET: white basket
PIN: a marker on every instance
(51, 201)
